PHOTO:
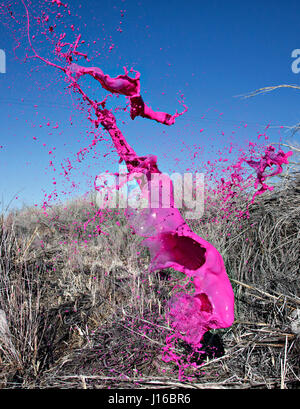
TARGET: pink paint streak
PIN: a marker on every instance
(130, 87)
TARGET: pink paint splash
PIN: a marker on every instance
(171, 242)
(130, 87)
(175, 245)
(229, 190)
(269, 159)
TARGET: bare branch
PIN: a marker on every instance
(264, 90)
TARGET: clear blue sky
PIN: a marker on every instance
(210, 51)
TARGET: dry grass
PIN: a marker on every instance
(80, 310)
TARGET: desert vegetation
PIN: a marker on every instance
(79, 308)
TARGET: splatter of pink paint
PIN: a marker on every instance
(170, 240)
